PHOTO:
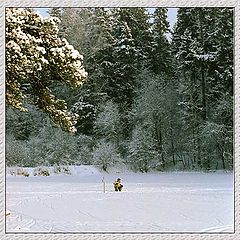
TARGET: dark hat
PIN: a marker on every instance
(118, 179)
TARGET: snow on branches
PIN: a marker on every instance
(37, 59)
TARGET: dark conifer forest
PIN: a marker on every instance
(154, 98)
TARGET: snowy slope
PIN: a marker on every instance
(154, 202)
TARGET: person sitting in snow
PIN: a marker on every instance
(118, 185)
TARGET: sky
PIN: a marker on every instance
(172, 15)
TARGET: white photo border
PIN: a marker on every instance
(123, 3)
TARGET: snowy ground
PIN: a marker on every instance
(155, 202)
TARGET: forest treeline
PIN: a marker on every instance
(150, 101)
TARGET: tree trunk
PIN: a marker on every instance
(221, 153)
(223, 161)
(194, 148)
(172, 144)
(203, 80)
(199, 160)
(161, 144)
(158, 129)
(203, 86)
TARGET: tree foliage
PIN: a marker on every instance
(36, 60)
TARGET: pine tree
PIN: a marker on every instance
(36, 60)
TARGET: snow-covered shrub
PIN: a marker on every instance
(41, 171)
(61, 169)
(66, 170)
(18, 171)
(25, 173)
(50, 146)
(56, 169)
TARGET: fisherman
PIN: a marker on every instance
(118, 185)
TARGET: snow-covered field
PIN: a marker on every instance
(153, 202)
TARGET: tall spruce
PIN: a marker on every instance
(161, 51)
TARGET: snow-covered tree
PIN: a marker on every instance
(36, 60)
(107, 123)
(151, 108)
(143, 155)
(160, 59)
(87, 30)
(117, 64)
(105, 154)
(138, 22)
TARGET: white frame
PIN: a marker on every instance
(123, 3)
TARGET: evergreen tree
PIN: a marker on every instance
(161, 60)
(36, 60)
(87, 29)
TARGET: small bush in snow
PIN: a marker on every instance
(61, 169)
(66, 170)
(41, 171)
(56, 169)
(18, 172)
